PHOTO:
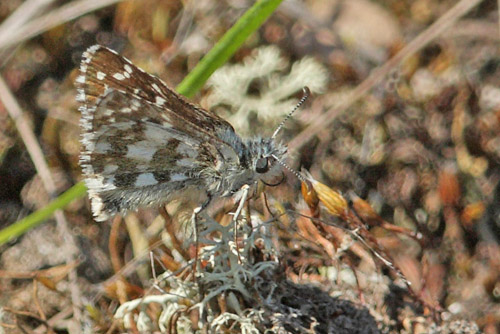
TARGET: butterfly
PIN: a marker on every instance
(144, 144)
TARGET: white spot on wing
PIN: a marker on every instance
(93, 49)
(118, 76)
(101, 75)
(127, 68)
(108, 112)
(140, 150)
(109, 169)
(80, 79)
(102, 147)
(186, 162)
(187, 150)
(136, 103)
(123, 125)
(146, 179)
(89, 141)
(155, 134)
(98, 184)
(178, 177)
(80, 97)
(160, 101)
(156, 88)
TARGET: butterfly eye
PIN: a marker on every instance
(262, 165)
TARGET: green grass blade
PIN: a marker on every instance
(218, 55)
(227, 46)
(23, 225)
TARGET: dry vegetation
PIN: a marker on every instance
(413, 149)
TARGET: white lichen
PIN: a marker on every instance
(233, 86)
(228, 271)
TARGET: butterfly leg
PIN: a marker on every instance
(244, 195)
(194, 223)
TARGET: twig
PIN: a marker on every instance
(54, 321)
(56, 17)
(169, 227)
(36, 154)
(181, 33)
(424, 38)
(21, 15)
(27, 136)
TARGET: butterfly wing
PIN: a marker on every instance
(141, 140)
(102, 69)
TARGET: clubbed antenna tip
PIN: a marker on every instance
(305, 94)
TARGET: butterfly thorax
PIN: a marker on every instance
(245, 163)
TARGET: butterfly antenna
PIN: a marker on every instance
(305, 94)
(293, 171)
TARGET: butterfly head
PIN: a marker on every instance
(264, 154)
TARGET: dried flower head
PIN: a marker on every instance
(333, 201)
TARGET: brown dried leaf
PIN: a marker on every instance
(365, 211)
(48, 282)
(449, 188)
(122, 290)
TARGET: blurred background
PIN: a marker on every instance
(417, 138)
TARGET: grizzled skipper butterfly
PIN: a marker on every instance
(143, 144)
